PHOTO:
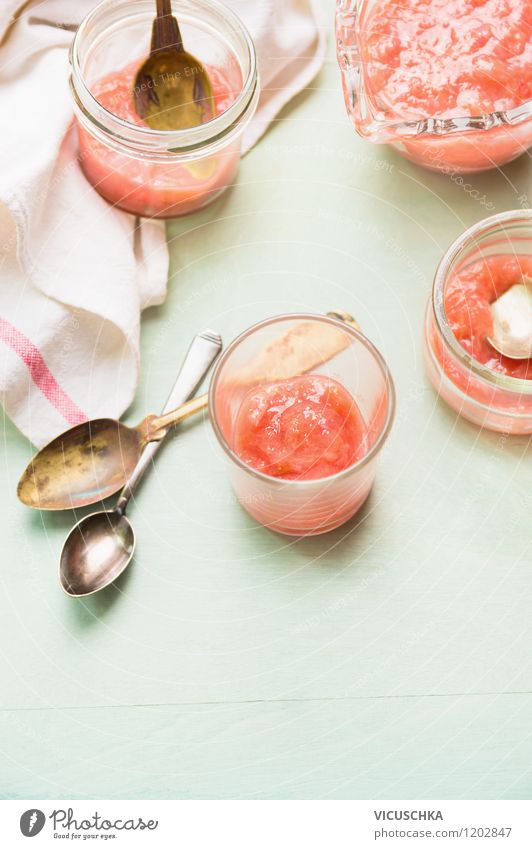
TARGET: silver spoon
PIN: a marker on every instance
(512, 322)
(101, 545)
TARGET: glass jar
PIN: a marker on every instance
(487, 398)
(453, 145)
(305, 507)
(153, 173)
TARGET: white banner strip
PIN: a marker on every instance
(266, 824)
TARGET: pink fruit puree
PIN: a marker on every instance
(149, 186)
(300, 429)
(446, 59)
(467, 299)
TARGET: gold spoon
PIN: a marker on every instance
(512, 322)
(172, 89)
(93, 460)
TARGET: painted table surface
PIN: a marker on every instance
(389, 659)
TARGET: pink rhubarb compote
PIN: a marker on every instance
(468, 296)
(304, 428)
(451, 59)
(302, 445)
(149, 186)
(484, 386)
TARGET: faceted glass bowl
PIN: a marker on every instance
(464, 144)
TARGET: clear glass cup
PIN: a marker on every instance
(495, 401)
(305, 507)
(460, 145)
(152, 173)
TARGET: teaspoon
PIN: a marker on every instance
(172, 89)
(93, 460)
(101, 545)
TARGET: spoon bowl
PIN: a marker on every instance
(173, 91)
(96, 552)
(93, 460)
(99, 456)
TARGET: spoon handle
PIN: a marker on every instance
(158, 426)
(203, 351)
(165, 31)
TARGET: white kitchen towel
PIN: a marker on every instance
(76, 273)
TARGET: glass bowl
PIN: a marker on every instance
(305, 507)
(459, 145)
(152, 173)
(487, 398)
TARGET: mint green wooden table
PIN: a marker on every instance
(389, 659)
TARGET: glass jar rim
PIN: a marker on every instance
(356, 334)
(472, 234)
(145, 138)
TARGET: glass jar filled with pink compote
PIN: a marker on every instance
(448, 83)
(149, 172)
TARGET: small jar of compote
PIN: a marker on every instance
(448, 83)
(482, 385)
(160, 174)
(302, 406)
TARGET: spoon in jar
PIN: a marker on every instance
(512, 322)
(172, 89)
(93, 460)
(101, 545)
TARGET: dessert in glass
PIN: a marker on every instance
(446, 82)
(148, 172)
(302, 405)
(481, 384)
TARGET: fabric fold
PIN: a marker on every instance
(76, 273)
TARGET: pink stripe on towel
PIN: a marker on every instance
(40, 373)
